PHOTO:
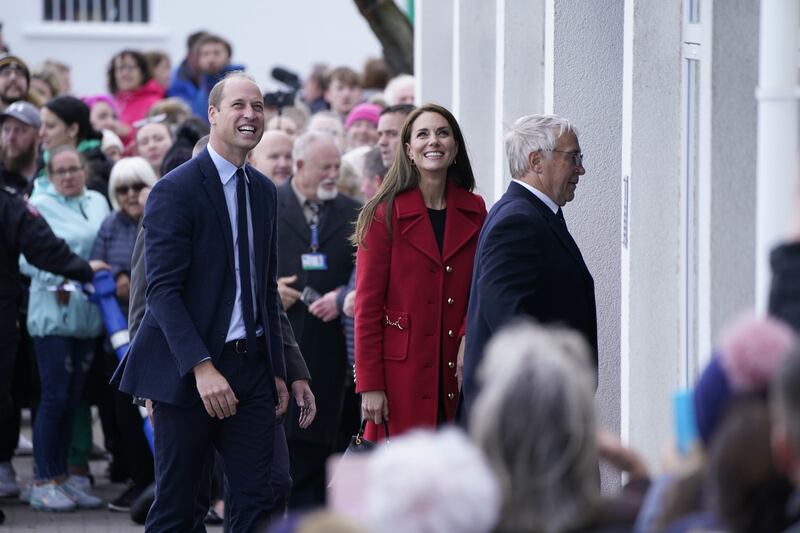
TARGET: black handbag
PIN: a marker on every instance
(358, 444)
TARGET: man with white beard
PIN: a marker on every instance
(314, 263)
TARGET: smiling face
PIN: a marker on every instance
(432, 147)
(127, 73)
(555, 172)
(67, 173)
(55, 132)
(127, 196)
(238, 124)
(152, 142)
(13, 83)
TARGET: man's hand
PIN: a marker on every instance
(148, 406)
(98, 265)
(349, 307)
(123, 287)
(283, 397)
(288, 295)
(305, 401)
(374, 406)
(460, 360)
(217, 395)
(325, 308)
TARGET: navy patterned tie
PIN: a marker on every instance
(243, 245)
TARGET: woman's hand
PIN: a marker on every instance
(374, 406)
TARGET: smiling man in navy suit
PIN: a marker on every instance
(527, 263)
(209, 350)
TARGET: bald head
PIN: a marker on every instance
(273, 156)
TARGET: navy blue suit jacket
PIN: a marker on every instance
(526, 264)
(191, 287)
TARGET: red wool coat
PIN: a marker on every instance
(411, 305)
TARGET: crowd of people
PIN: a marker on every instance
(298, 272)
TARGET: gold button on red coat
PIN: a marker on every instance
(451, 364)
(450, 301)
(448, 268)
(450, 396)
(450, 333)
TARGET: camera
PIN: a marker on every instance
(281, 99)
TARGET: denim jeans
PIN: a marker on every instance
(63, 364)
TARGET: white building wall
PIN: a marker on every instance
(263, 33)
(587, 89)
(651, 159)
(733, 150)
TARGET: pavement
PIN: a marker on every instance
(21, 518)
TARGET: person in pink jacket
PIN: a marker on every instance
(134, 90)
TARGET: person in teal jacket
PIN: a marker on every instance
(64, 326)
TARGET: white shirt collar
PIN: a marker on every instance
(225, 168)
(540, 195)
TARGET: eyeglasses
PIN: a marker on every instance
(61, 172)
(126, 67)
(577, 157)
(12, 68)
(122, 190)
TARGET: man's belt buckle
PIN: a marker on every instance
(240, 346)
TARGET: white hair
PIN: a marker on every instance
(304, 143)
(534, 420)
(395, 85)
(126, 171)
(427, 482)
(533, 133)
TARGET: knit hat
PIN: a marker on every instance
(749, 353)
(370, 112)
(7, 60)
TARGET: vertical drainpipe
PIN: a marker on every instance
(777, 95)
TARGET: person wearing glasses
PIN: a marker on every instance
(64, 327)
(527, 263)
(135, 91)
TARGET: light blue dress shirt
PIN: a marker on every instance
(227, 175)
(538, 194)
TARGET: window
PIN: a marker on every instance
(128, 11)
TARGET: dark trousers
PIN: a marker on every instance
(184, 437)
(137, 453)
(308, 461)
(63, 363)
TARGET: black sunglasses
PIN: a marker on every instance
(122, 190)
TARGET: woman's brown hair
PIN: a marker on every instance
(403, 175)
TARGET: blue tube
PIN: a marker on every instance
(103, 292)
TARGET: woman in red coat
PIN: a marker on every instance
(416, 243)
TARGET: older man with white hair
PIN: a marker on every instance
(315, 261)
(527, 262)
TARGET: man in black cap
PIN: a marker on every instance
(15, 79)
(19, 138)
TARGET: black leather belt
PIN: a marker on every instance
(239, 346)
